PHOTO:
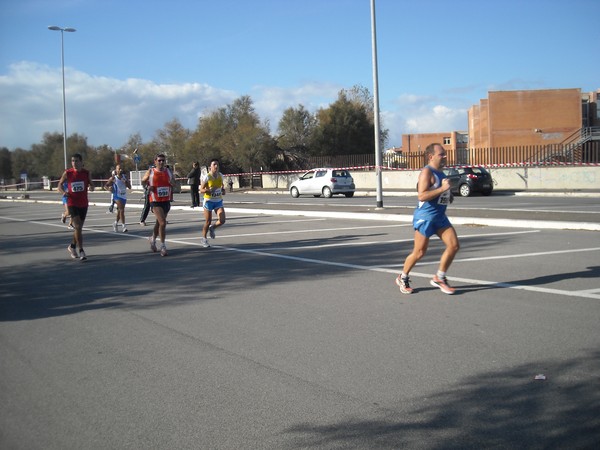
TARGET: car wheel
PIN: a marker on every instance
(294, 192)
(349, 194)
(327, 192)
(464, 190)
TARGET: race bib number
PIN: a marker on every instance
(77, 186)
(444, 198)
(216, 193)
(163, 191)
(122, 192)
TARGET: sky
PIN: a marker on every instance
(134, 65)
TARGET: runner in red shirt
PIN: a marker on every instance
(78, 182)
(160, 182)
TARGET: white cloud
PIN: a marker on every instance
(105, 110)
(412, 113)
(108, 111)
(270, 102)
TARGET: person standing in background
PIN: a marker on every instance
(194, 182)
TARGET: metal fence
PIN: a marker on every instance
(530, 155)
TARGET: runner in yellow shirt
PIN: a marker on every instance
(213, 189)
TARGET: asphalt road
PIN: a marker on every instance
(290, 333)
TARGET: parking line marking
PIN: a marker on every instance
(520, 255)
(590, 291)
(417, 274)
(307, 231)
(580, 294)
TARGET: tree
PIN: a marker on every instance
(211, 133)
(362, 97)
(296, 129)
(5, 163)
(21, 162)
(235, 135)
(251, 146)
(343, 129)
(100, 162)
(48, 156)
(171, 140)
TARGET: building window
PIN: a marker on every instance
(446, 141)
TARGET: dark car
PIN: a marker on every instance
(466, 180)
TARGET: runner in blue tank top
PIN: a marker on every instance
(430, 218)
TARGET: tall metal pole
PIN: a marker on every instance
(62, 64)
(376, 107)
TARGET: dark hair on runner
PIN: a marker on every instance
(430, 150)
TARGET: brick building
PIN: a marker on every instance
(513, 118)
(451, 140)
(532, 120)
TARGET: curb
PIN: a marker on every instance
(382, 217)
(591, 194)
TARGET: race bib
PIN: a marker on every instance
(444, 199)
(216, 193)
(163, 191)
(77, 186)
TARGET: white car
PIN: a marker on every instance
(325, 182)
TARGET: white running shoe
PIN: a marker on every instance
(124, 228)
(152, 244)
(442, 283)
(72, 251)
(204, 242)
(211, 231)
(404, 285)
(82, 256)
(115, 225)
(163, 250)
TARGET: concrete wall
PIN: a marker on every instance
(520, 178)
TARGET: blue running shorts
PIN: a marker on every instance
(430, 227)
(210, 205)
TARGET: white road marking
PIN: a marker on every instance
(582, 294)
(520, 255)
(495, 284)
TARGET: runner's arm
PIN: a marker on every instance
(61, 182)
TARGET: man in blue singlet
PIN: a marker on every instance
(430, 218)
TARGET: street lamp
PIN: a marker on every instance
(379, 203)
(62, 63)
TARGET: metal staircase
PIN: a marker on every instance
(573, 146)
(581, 136)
